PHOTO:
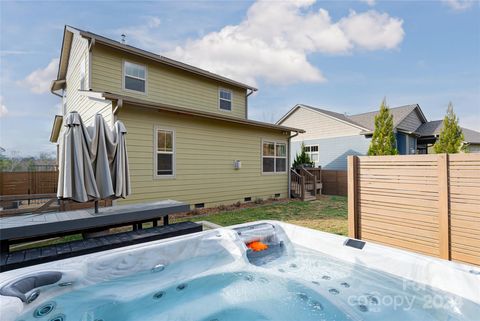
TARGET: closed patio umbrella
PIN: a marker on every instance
(93, 161)
(76, 179)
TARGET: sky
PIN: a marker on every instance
(344, 56)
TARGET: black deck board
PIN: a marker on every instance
(31, 254)
(63, 248)
(23, 258)
(48, 224)
(16, 257)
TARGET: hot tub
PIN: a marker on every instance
(213, 276)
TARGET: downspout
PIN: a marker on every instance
(246, 101)
(51, 90)
(91, 44)
(117, 108)
(51, 87)
(288, 166)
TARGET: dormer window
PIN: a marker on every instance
(225, 99)
(134, 77)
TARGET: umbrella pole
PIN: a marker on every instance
(96, 206)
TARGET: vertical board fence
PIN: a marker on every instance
(23, 183)
(424, 203)
(334, 182)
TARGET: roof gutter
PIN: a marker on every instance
(57, 85)
(408, 132)
(57, 125)
(186, 111)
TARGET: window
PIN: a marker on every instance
(274, 157)
(134, 77)
(164, 150)
(82, 75)
(225, 99)
(312, 152)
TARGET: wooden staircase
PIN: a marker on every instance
(306, 183)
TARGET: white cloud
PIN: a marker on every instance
(373, 30)
(144, 35)
(275, 39)
(459, 5)
(153, 22)
(3, 108)
(371, 3)
(40, 80)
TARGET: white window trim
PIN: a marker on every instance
(231, 99)
(155, 152)
(276, 141)
(124, 75)
(317, 152)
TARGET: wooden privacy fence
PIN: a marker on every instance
(423, 203)
(22, 183)
(334, 182)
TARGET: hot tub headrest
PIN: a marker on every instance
(19, 287)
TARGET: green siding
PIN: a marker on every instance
(165, 84)
(85, 106)
(205, 152)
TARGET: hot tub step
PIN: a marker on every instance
(23, 258)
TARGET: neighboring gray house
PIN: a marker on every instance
(430, 131)
(330, 137)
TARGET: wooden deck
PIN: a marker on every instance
(40, 226)
(306, 183)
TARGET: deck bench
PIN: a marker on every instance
(24, 258)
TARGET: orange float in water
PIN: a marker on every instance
(257, 246)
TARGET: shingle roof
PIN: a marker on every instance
(433, 128)
(339, 116)
(367, 120)
(154, 57)
(430, 128)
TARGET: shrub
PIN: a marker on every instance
(302, 158)
(451, 137)
(383, 140)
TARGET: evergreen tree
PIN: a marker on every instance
(302, 158)
(451, 137)
(383, 140)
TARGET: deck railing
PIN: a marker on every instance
(296, 185)
(317, 172)
(306, 183)
(309, 183)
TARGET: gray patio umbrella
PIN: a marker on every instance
(76, 180)
(93, 161)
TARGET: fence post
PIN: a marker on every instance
(352, 197)
(443, 207)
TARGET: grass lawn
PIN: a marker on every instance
(328, 213)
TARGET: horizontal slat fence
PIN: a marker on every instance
(424, 203)
(464, 185)
(22, 183)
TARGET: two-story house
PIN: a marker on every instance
(189, 137)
